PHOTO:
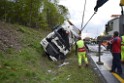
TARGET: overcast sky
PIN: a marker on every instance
(97, 24)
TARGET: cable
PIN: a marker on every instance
(88, 21)
(122, 12)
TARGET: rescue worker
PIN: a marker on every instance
(116, 53)
(122, 49)
(81, 51)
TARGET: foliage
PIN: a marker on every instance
(32, 13)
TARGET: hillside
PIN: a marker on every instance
(22, 59)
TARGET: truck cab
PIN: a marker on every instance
(59, 42)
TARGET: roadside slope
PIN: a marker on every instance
(22, 59)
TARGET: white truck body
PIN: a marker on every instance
(59, 42)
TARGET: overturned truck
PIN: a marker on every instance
(59, 42)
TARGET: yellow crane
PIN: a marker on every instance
(121, 2)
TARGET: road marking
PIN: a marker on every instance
(118, 77)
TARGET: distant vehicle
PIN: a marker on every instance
(58, 43)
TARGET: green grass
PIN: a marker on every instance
(29, 65)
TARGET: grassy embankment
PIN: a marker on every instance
(24, 60)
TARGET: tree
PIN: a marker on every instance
(54, 14)
(28, 12)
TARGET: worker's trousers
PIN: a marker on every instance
(116, 62)
(82, 55)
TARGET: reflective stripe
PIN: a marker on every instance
(118, 77)
(81, 49)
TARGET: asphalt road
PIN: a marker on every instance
(103, 62)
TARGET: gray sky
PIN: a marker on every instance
(96, 25)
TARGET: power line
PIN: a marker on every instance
(88, 21)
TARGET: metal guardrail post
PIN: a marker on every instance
(99, 53)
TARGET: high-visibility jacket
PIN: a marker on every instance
(122, 2)
(122, 41)
(80, 46)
